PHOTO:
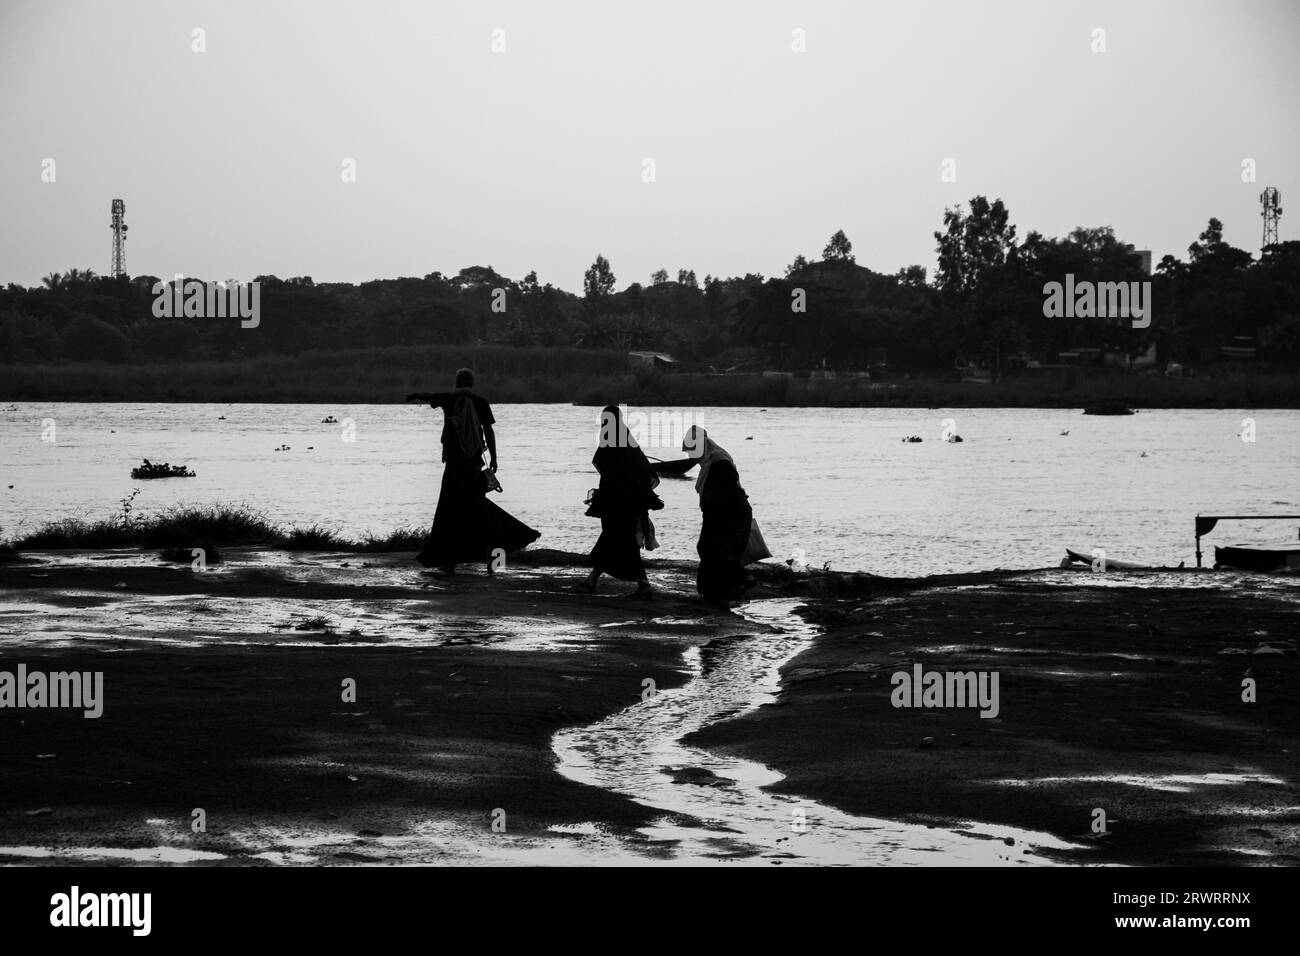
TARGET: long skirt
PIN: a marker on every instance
(723, 539)
(616, 552)
(468, 526)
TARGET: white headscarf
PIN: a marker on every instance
(710, 452)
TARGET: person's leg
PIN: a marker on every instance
(592, 579)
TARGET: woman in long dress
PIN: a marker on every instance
(623, 498)
(467, 526)
(724, 534)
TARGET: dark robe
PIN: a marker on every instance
(626, 481)
(468, 526)
(724, 534)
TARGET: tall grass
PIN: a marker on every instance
(207, 526)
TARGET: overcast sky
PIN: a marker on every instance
(231, 161)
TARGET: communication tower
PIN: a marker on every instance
(119, 239)
(1271, 201)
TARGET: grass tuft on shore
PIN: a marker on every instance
(209, 527)
(399, 539)
(218, 524)
(314, 538)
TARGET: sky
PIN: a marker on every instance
(769, 125)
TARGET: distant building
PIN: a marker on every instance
(1145, 255)
(658, 360)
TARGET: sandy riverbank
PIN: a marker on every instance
(223, 691)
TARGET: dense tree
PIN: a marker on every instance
(87, 338)
(986, 301)
(973, 246)
(839, 248)
(1211, 253)
(912, 276)
(598, 281)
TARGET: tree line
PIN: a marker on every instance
(985, 302)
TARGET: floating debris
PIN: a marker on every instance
(149, 470)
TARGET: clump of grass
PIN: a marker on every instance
(79, 533)
(399, 539)
(217, 524)
(176, 531)
(314, 538)
(179, 527)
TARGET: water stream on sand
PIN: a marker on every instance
(714, 805)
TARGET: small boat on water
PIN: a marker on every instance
(1107, 407)
(1258, 557)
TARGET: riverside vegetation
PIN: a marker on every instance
(82, 337)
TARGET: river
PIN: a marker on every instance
(835, 486)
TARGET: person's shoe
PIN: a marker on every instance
(643, 591)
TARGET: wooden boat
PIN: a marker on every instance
(1251, 557)
(1111, 563)
(1108, 407)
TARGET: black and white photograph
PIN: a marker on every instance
(709, 434)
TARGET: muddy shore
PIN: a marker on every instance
(1116, 696)
(225, 691)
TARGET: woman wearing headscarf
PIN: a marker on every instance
(724, 534)
(622, 503)
(467, 525)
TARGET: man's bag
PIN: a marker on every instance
(756, 550)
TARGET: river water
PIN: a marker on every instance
(827, 485)
(715, 807)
